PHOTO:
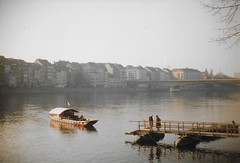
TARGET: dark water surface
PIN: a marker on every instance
(28, 135)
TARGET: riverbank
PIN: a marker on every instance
(109, 90)
(59, 90)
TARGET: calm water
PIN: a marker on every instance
(28, 135)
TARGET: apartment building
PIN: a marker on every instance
(136, 73)
(46, 73)
(2, 63)
(62, 74)
(187, 74)
(152, 74)
(95, 73)
(15, 73)
(116, 75)
(237, 75)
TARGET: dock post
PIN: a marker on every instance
(183, 126)
(193, 128)
(178, 127)
(199, 128)
(138, 125)
(227, 129)
(213, 129)
(164, 126)
(170, 126)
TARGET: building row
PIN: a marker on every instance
(61, 74)
(237, 75)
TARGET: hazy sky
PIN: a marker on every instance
(158, 33)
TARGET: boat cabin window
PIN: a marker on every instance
(69, 114)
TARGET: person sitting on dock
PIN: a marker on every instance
(150, 122)
(158, 122)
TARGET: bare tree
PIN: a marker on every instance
(230, 15)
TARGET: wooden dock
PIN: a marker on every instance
(210, 129)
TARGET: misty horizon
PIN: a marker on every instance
(166, 34)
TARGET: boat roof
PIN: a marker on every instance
(60, 110)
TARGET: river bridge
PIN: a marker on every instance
(209, 129)
(178, 84)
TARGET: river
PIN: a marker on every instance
(27, 133)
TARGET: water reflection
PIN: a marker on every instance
(27, 135)
(70, 129)
(168, 153)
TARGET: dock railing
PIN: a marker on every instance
(188, 127)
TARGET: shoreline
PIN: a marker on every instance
(58, 90)
(6, 91)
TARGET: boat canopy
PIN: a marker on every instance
(61, 110)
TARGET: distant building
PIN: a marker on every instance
(116, 75)
(187, 74)
(61, 79)
(95, 73)
(237, 75)
(41, 73)
(2, 63)
(153, 74)
(10, 76)
(15, 73)
(164, 75)
(12, 80)
(34, 72)
(168, 72)
(221, 75)
(62, 74)
(46, 73)
(136, 73)
(207, 75)
(78, 77)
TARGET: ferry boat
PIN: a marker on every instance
(67, 115)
